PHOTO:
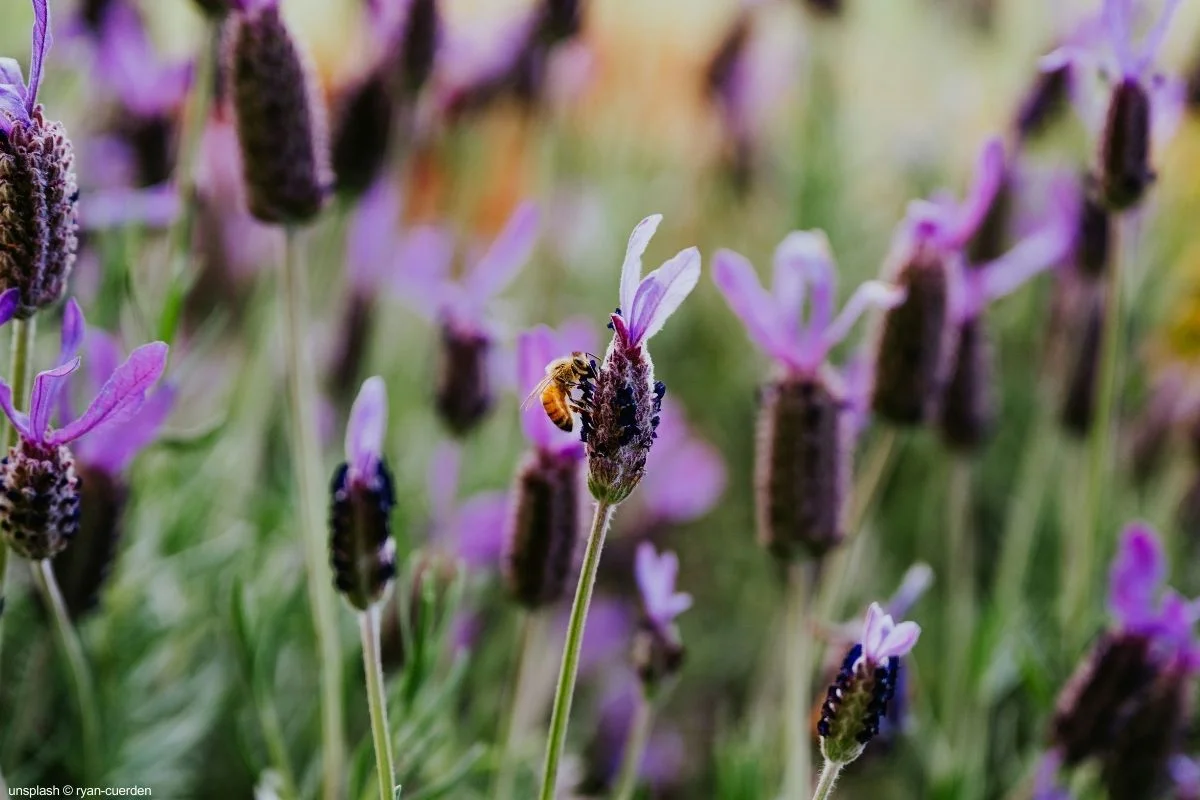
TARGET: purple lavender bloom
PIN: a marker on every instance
(858, 699)
(39, 505)
(805, 422)
(624, 400)
(685, 475)
(1185, 775)
(464, 393)
(657, 649)
(472, 529)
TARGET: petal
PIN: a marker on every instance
(46, 388)
(1116, 15)
(1136, 574)
(443, 483)
(989, 174)
(788, 285)
(631, 268)
(535, 349)
(12, 108)
(121, 394)
(676, 605)
(672, 283)
(73, 329)
(103, 358)
(872, 633)
(685, 484)
(899, 640)
(112, 447)
(508, 254)
(10, 75)
(916, 582)
(20, 421)
(808, 255)
(423, 268)
(757, 310)
(1155, 38)
(8, 304)
(645, 569)
(373, 237)
(478, 529)
(366, 428)
(871, 294)
(41, 44)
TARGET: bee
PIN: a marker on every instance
(562, 376)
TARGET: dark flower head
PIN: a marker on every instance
(1138, 765)
(38, 195)
(362, 551)
(624, 400)
(858, 700)
(280, 118)
(1046, 101)
(362, 134)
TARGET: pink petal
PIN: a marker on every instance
(365, 430)
(757, 310)
(788, 285)
(872, 629)
(508, 254)
(631, 268)
(677, 604)
(121, 394)
(46, 387)
(1155, 38)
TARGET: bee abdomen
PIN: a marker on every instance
(557, 409)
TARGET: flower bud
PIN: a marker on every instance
(621, 408)
(1045, 103)
(1137, 767)
(855, 705)
(544, 529)
(912, 346)
(1124, 169)
(1087, 716)
(1079, 400)
(362, 134)
(658, 653)
(39, 500)
(38, 212)
(361, 549)
(1094, 238)
(966, 410)
(464, 386)
(801, 469)
(280, 121)
(83, 568)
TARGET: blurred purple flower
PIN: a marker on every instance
(127, 64)
(365, 431)
(1185, 774)
(1045, 782)
(1139, 603)
(112, 447)
(471, 529)
(104, 209)
(664, 757)
(372, 238)
(685, 475)
(656, 581)
(535, 349)
(804, 269)
(647, 302)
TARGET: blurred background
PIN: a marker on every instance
(201, 639)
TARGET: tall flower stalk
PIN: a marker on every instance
(619, 410)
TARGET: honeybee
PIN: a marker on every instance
(562, 375)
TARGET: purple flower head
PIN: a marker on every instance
(127, 63)
(472, 529)
(365, 431)
(1185, 775)
(656, 575)
(804, 270)
(118, 400)
(17, 98)
(883, 638)
(647, 302)
(535, 349)
(685, 475)
(426, 256)
(1136, 577)
(1045, 782)
(109, 448)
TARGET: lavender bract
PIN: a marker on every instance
(657, 649)
(39, 487)
(623, 401)
(804, 428)
(38, 196)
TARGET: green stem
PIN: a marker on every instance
(306, 460)
(377, 700)
(507, 771)
(829, 776)
(635, 745)
(81, 675)
(557, 738)
(960, 584)
(797, 679)
(1101, 439)
(20, 374)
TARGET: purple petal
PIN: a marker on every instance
(46, 387)
(535, 349)
(788, 285)
(809, 255)
(41, 44)
(8, 304)
(103, 358)
(478, 529)
(607, 632)
(871, 294)
(121, 394)
(737, 281)
(1116, 18)
(915, 583)
(443, 483)
(112, 447)
(873, 630)
(685, 485)
(10, 75)
(662, 292)
(899, 641)
(373, 238)
(365, 430)
(1155, 38)
(155, 208)
(127, 63)
(989, 174)
(1185, 774)
(1136, 575)
(507, 255)
(423, 268)
(631, 268)
(73, 329)
(20, 421)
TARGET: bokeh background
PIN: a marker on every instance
(202, 644)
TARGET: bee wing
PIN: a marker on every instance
(537, 391)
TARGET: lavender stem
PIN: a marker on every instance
(635, 745)
(829, 776)
(565, 689)
(81, 675)
(377, 701)
(309, 494)
(22, 337)
(797, 680)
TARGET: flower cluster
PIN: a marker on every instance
(657, 650)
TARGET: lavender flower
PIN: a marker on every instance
(464, 393)
(804, 427)
(665, 756)
(413, 32)
(657, 649)
(39, 487)
(1185, 775)
(470, 530)
(685, 475)
(362, 551)
(624, 400)
(544, 524)
(102, 458)
(38, 198)
(866, 683)
(280, 119)
(916, 337)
